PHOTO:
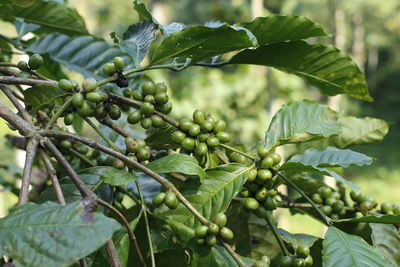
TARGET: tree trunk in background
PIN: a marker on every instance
(358, 49)
(373, 60)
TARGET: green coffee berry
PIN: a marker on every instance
(69, 119)
(89, 85)
(119, 63)
(188, 144)
(148, 88)
(171, 200)
(267, 162)
(213, 229)
(198, 117)
(201, 231)
(201, 149)
(109, 69)
(156, 121)
(118, 164)
(251, 203)
(35, 61)
(158, 200)
(224, 137)
(212, 141)
(220, 220)
(65, 84)
(178, 136)
(137, 95)
(226, 233)
(146, 123)
(134, 117)
(94, 97)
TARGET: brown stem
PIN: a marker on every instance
(53, 177)
(31, 149)
(113, 259)
(115, 127)
(83, 263)
(127, 226)
(25, 81)
(233, 254)
(24, 127)
(8, 92)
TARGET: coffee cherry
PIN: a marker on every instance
(146, 123)
(119, 63)
(251, 203)
(286, 261)
(22, 65)
(194, 130)
(338, 206)
(308, 261)
(185, 124)
(276, 158)
(224, 137)
(188, 144)
(262, 152)
(386, 207)
(158, 200)
(266, 163)
(198, 117)
(207, 125)
(270, 204)
(137, 95)
(366, 205)
(220, 220)
(336, 195)
(147, 109)
(143, 154)
(302, 251)
(226, 234)
(263, 176)
(156, 121)
(134, 117)
(131, 145)
(330, 201)
(252, 175)
(298, 263)
(212, 141)
(161, 87)
(261, 194)
(200, 241)
(119, 164)
(148, 88)
(35, 61)
(85, 109)
(94, 97)
(166, 108)
(89, 85)
(101, 112)
(201, 231)
(114, 112)
(69, 119)
(266, 259)
(149, 98)
(109, 69)
(65, 144)
(77, 100)
(213, 229)
(201, 149)
(178, 136)
(161, 98)
(219, 126)
(65, 84)
(171, 201)
(317, 199)
(261, 212)
(325, 192)
(327, 210)
(211, 240)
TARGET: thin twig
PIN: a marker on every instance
(59, 112)
(25, 81)
(99, 132)
(115, 127)
(234, 255)
(31, 149)
(53, 177)
(82, 157)
(8, 92)
(113, 259)
(24, 127)
(237, 151)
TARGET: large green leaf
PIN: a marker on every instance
(358, 131)
(50, 15)
(301, 121)
(297, 239)
(323, 66)
(379, 218)
(136, 39)
(386, 239)
(277, 28)
(53, 235)
(83, 54)
(313, 160)
(180, 163)
(113, 176)
(341, 249)
(200, 42)
(213, 196)
(42, 95)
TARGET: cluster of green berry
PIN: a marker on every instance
(155, 98)
(137, 149)
(115, 68)
(208, 234)
(331, 202)
(35, 61)
(301, 259)
(264, 262)
(200, 134)
(260, 188)
(169, 199)
(365, 204)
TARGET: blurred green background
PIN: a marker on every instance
(248, 96)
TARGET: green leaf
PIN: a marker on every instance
(83, 54)
(42, 95)
(200, 42)
(379, 218)
(179, 163)
(386, 239)
(213, 196)
(216, 256)
(51, 15)
(359, 131)
(297, 239)
(53, 235)
(143, 11)
(136, 39)
(160, 138)
(22, 3)
(113, 176)
(277, 28)
(323, 66)
(313, 160)
(341, 249)
(91, 177)
(301, 121)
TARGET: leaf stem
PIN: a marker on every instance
(325, 218)
(271, 225)
(237, 151)
(58, 113)
(109, 142)
(139, 188)
(82, 157)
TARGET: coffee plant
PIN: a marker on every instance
(156, 191)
